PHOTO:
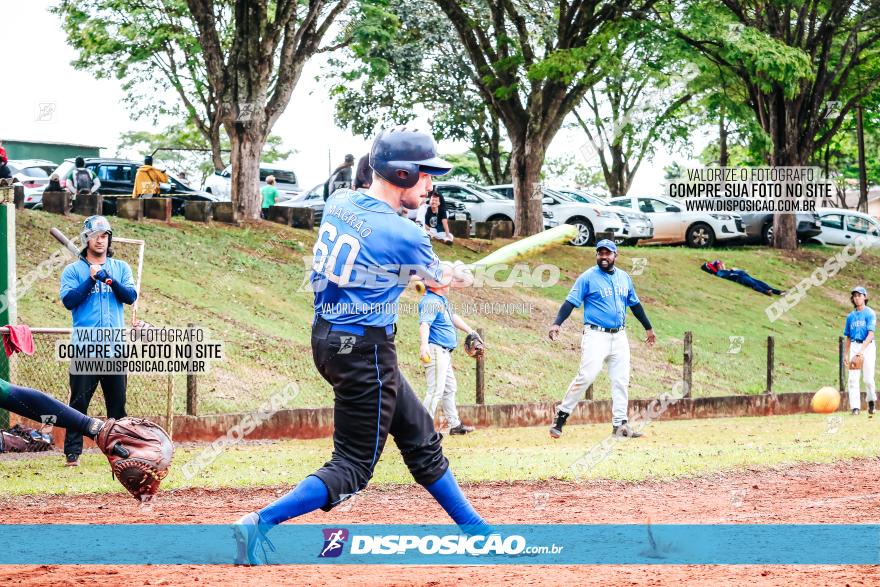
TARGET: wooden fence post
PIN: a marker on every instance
(192, 391)
(770, 364)
(688, 364)
(481, 375)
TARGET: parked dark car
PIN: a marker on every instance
(759, 227)
(117, 179)
(314, 199)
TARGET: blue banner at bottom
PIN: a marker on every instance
(618, 544)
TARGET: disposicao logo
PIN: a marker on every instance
(334, 541)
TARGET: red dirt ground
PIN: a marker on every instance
(844, 492)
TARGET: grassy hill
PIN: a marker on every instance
(243, 283)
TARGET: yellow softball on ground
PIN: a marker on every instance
(825, 401)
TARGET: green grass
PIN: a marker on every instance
(671, 449)
(242, 283)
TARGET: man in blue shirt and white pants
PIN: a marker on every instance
(859, 333)
(605, 292)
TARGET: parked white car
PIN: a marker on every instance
(842, 227)
(482, 205)
(220, 183)
(563, 209)
(636, 225)
(34, 177)
(674, 225)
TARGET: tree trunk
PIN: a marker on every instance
(785, 225)
(525, 167)
(722, 140)
(247, 147)
(216, 145)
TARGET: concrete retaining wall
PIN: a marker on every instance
(318, 422)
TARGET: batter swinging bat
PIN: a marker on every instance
(59, 236)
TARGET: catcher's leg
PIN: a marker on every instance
(34, 404)
(82, 387)
(419, 444)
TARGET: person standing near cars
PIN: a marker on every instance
(363, 176)
(860, 350)
(148, 180)
(270, 194)
(81, 180)
(94, 289)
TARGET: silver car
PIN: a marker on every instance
(636, 225)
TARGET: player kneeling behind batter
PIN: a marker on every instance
(437, 341)
(860, 350)
(606, 292)
(353, 344)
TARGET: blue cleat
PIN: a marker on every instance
(251, 541)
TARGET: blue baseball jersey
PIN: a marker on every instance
(364, 256)
(434, 310)
(101, 309)
(605, 296)
(859, 323)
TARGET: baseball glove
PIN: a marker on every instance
(474, 345)
(139, 452)
(856, 363)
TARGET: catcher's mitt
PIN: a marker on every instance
(856, 363)
(474, 346)
(139, 452)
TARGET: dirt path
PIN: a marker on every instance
(845, 492)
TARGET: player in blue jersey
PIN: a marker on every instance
(605, 292)
(364, 256)
(860, 350)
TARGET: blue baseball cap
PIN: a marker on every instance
(860, 290)
(606, 244)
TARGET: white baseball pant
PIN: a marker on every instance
(597, 348)
(869, 353)
(441, 384)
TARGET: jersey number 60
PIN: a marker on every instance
(327, 253)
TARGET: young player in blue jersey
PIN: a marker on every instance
(364, 256)
(860, 350)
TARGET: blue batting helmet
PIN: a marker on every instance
(400, 153)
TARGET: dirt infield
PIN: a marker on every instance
(844, 492)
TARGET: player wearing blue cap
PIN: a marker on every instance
(605, 292)
(364, 256)
(860, 350)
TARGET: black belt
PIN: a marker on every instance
(600, 329)
(321, 328)
(860, 341)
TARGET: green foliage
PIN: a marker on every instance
(413, 65)
(467, 168)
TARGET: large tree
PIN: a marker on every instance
(254, 80)
(420, 68)
(533, 62)
(795, 59)
(638, 103)
(152, 47)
